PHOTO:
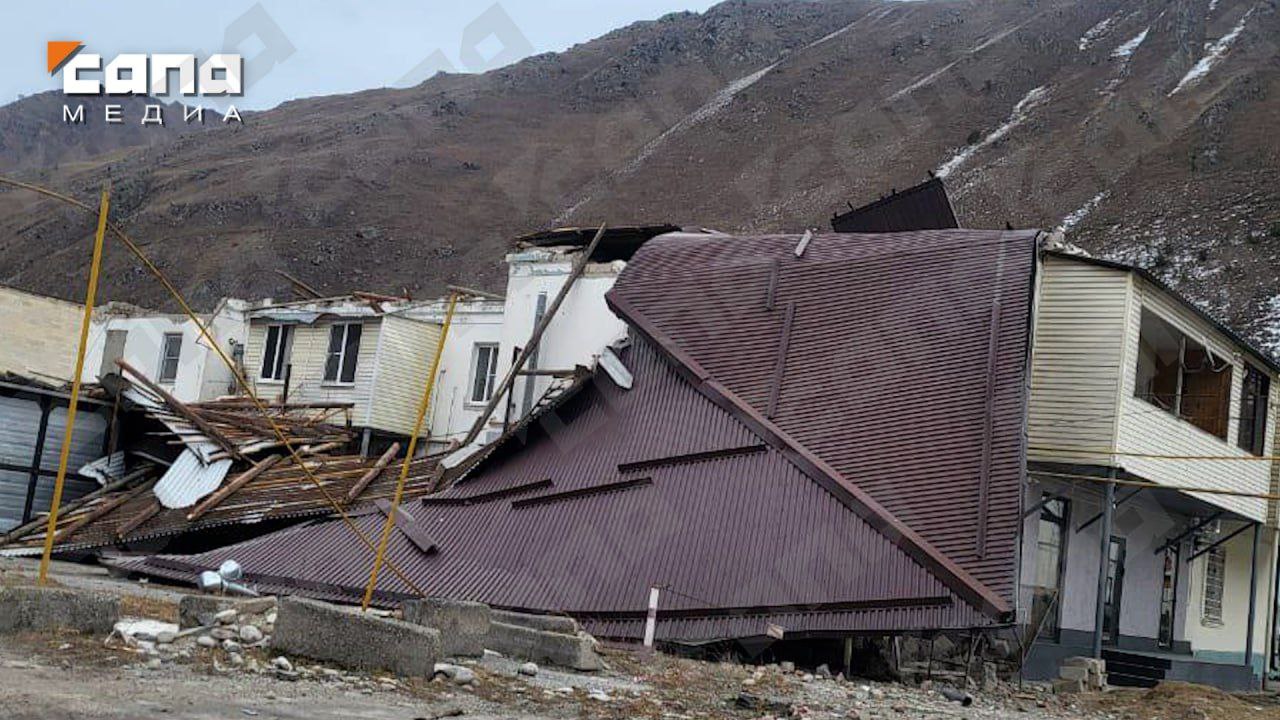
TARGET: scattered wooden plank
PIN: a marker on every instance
(373, 473)
(228, 489)
(136, 521)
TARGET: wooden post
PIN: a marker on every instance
(90, 294)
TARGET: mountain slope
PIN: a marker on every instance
(1143, 125)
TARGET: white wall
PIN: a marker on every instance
(476, 321)
(39, 334)
(578, 332)
(202, 375)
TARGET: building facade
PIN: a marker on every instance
(1132, 383)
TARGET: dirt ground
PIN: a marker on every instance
(64, 675)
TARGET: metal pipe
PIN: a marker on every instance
(1100, 605)
(94, 267)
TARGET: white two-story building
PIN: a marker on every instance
(1140, 397)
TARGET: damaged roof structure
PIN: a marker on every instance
(820, 433)
(230, 473)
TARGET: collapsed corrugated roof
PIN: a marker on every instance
(786, 416)
(923, 207)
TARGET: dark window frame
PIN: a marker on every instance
(275, 352)
(488, 374)
(342, 355)
(1255, 395)
(165, 375)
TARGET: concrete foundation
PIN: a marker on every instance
(548, 623)
(463, 625)
(27, 609)
(575, 651)
(349, 638)
(198, 610)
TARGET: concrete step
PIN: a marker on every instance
(1119, 679)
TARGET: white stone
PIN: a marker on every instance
(250, 634)
(226, 617)
(206, 641)
(282, 663)
(529, 669)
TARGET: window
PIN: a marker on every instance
(484, 367)
(1252, 436)
(1180, 376)
(170, 353)
(275, 352)
(1215, 576)
(344, 346)
(1051, 541)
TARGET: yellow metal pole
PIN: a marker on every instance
(75, 383)
(408, 457)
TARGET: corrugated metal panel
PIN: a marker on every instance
(189, 479)
(106, 468)
(721, 531)
(19, 426)
(885, 377)
(1076, 362)
(404, 361)
(923, 207)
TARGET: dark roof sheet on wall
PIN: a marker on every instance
(901, 352)
(923, 207)
(618, 491)
(805, 444)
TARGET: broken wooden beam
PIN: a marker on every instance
(60, 536)
(43, 519)
(373, 473)
(227, 489)
(302, 289)
(179, 407)
(137, 520)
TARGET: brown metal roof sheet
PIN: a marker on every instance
(736, 531)
(905, 348)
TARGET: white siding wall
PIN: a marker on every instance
(1144, 428)
(310, 345)
(452, 415)
(404, 361)
(1076, 360)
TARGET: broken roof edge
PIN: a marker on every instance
(967, 587)
(1262, 356)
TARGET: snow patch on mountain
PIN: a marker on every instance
(1020, 112)
(1083, 211)
(1126, 51)
(1212, 56)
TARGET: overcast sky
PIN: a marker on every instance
(297, 48)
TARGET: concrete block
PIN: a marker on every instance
(547, 623)
(463, 625)
(198, 610)
(577, 651)
(24, 609)
(355, 640)
(1068, 687)
(1095, 666)
(1074, 672)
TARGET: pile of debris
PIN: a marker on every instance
(231, 473)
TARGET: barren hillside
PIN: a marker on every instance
(1146, 126)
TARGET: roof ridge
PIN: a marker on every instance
(848, 493)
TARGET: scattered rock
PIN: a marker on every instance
(226, 617)
(166, 637)
(823, 671)
(599, 696)
(207, 641)
(760, 703)
(250, 634)
(231, 646)
(458, 674)
(788, 666)
(282, 663)
(528, 669)
(154, 664)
